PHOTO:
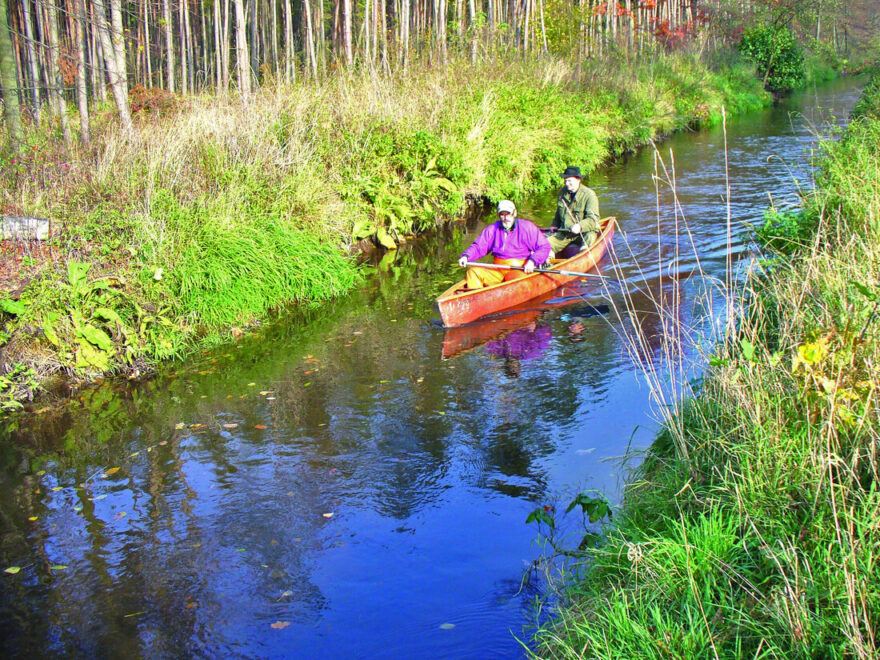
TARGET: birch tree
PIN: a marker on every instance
(11, 108)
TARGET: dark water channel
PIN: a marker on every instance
(352, 481)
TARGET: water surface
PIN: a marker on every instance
(352, 480)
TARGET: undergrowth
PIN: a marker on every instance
(216, 209)
(751, 528)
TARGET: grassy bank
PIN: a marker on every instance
(752, 528)
(215, 210)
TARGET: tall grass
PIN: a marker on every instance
(215, 209)
(752, 527)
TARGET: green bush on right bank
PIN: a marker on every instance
(751, 529)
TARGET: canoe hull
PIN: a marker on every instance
(459, 308)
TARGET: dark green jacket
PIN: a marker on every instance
(584, 209)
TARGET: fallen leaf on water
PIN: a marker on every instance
(240, 550)
(230, 426)
(163, 443)
(57, 488)
(120, 515)
(327, 515)
(112, 470)
(447, 626)
(297, 540)
(259, 426)
(32, 518)
(278, 625)
(58, 567)
(12, 570)
(285, 594)
(191, 605)
(41, 473)
(180, 425)
(332, 471)
(586, 451)
(134, 454)
(99, 497)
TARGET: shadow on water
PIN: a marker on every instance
(352, 480)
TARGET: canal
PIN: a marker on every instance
(352, 480)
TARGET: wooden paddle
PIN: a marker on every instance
(551, 271)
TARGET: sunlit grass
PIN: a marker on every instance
(751, 529)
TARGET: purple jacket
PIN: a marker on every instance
(523, 241)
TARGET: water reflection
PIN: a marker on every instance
(333, 476)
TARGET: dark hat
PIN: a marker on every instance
(572, 171)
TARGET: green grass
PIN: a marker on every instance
(213, 211)
(751, 528)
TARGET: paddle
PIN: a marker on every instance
(551, 271)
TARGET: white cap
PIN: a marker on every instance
(506, 205)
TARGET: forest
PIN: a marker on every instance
(57, 53)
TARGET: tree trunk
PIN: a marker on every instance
(310, 41)
(346, 32)
(241, 47)
(11, 106)
(184, 78)
(56, 79)
(117, 83)
(119, 44)
(169, 43)
(33, 60)
(225, 45)
(82, 98)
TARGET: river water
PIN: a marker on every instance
(352, 481)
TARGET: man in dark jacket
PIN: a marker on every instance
(577, 213)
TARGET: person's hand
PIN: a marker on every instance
(462, 261)
(529, 266)
(576, 228)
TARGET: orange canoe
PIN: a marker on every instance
(459, 308)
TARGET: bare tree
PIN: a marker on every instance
(10, 81)
(118, 83)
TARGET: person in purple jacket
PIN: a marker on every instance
(512, 242)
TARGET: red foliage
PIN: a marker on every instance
(600, 9)
(623, 11)
(143, 99)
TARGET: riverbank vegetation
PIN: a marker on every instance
(751, 528)
(204, 185)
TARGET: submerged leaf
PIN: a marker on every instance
(279, 625)
(12, 570)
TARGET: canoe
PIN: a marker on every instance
(459, 308)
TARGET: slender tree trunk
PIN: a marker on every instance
(148, 45)
(11, 106)
(56, 79)
(346, 32)
(218, 43)
(119, 43)
(288, 42)
(82, 98)
(117, 82)
(184, 78)
(225, 45)
(310, 40)
(241, 46)
(169, 42)
(33, 60)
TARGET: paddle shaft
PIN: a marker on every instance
(551, 271)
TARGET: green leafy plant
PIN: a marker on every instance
(777, 55)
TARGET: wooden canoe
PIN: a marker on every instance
(459, 308)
